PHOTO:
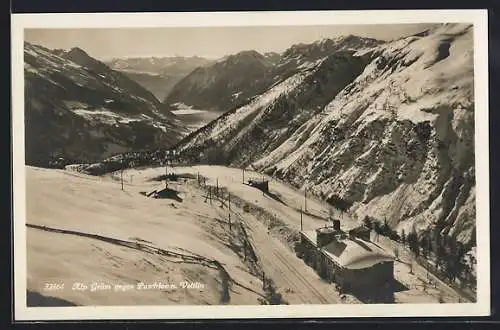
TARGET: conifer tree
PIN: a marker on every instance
(385, 228)
(424, 245)
(413, 241)
(376, 226)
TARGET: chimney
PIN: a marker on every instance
(324, 236)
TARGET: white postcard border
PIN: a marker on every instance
(143, 20)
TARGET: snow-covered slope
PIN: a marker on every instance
(396, 141)
(78, 108)
(84, 229)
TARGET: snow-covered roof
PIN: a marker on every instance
(352, 253)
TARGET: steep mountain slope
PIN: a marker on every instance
(272, 57)
(78, 108)
(158, 84)
(252, 131)
(394, 138)
(398, 142)
(236, 78)
(218, 86)
(158, 74)
(92, 65)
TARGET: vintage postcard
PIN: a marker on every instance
(250, 165)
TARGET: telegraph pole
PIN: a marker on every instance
(263, 186)
(305, 200)
(121, 176)
(229, 203)
(243, 169)
(166, 171)
(301, 228)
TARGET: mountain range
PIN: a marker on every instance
(386, 128)
(234, 79)
(158, 74)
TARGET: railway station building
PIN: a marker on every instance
(350, 260)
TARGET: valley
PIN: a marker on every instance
(157, 74)
(80, 110)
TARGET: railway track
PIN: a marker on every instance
(297, 275)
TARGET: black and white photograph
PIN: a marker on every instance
(193, 165)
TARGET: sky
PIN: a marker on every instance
(210, 42)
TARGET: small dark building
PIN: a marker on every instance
(346, 259)
(259, 184)
(362, 232)
(165, 193)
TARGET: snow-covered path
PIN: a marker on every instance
(287, 210)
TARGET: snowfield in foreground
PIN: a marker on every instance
(84, 230)
(85, 204)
